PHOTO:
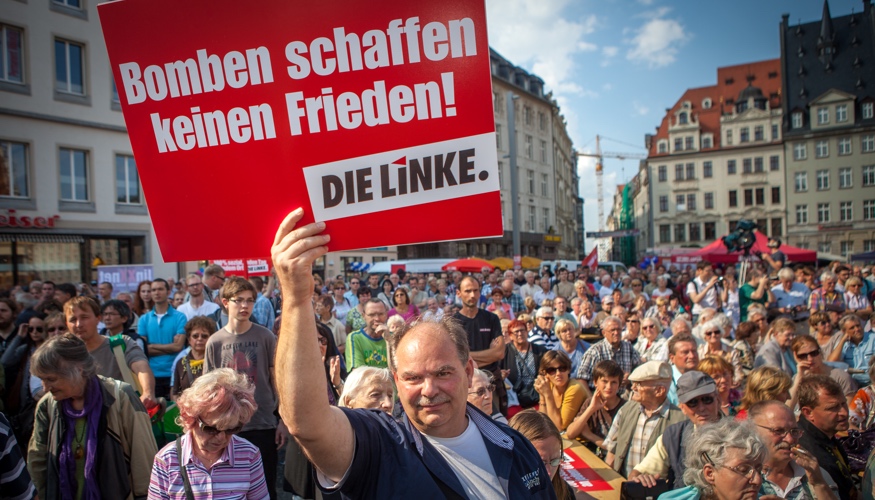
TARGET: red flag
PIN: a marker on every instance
(592, 260)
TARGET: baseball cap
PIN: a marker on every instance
(694, 384)
(607, 299)
(651, 370)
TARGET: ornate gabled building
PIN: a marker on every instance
(829, 131)
(716, 158)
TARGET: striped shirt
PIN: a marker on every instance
(15, 483)
(237, 474)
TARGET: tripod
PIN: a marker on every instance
(746, 260)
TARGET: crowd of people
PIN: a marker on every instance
(686, 381)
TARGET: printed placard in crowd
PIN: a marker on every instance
(245, 267)
(376, 118)
(124, 278)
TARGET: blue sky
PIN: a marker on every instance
(616, 65)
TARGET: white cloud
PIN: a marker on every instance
(539, 36)
(657, 41)
(610, 51)
(639, 108)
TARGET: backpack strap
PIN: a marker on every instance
(118, 349)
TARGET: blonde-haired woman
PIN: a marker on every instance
(215, 408)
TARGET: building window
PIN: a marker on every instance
(662, 173)
(800, 152)
(801, 214)
(531, 222)
(777, 227)
(822, 116)
(869, 175)
(710, 231)
(730, 167)
(709, 201)
(530, 153)
(695, 234)
(498, 142)
(527, 115)
(748, 197)
(73, 4)
(500, 175)
(733, 198)
(74, 174)
(801, 181)
(682, 119)
(680, 231)
(822, 177)
(824, 246)
(679, 172)
(663, 203)
(776, 195)
(707, 169)
(869, 209)
(707, 142)
(846, 178)
(729, 137)
(664, 233)
(846, 211)
(867, 143)
(12, 54)
(747, 165)
(678, 144)
(691, 171)
(845, 146)
(758, 134)
(691, 202)
(663, 147)
(841, 113)
(796, 120)
(543, 151)
(758, 164)
(127, 182)
(13, 170)
(545, 214)
(823, 212)
(542, 121)
(744, 135)
(868, 110)
(869, 245)
(760, 196)
(775, 132)
(680, 202)
(69, 71)
(821, 149)
(544, 182)
(774, 163)
(846, 248)
(530, 174)
(688, 143)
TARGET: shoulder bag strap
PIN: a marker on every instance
(123, 367)
(189, 495)
(188, 372)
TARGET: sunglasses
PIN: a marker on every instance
(483, 391)
(37, 329)
(553, 369)
(199, 336)
(808, 355)
(715, 333)
(632, 321)
(648, 327)
(548, 318)
(705, 400)
(57, 329)
(214, 431)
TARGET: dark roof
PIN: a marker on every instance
(829, 53)
(750, 91)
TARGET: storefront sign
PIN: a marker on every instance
(24, 221)
(124, 278)
(361, 115)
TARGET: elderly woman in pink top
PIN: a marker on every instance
(209, 460)
(403, 307)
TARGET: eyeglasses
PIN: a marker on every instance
(715, 333)
(37, 329)
(57, 329)
(323, 341)
(221, 278)
(795, 432)
(213, 430)
(196, 336)
(746, 470)
(705, 400)
(808, 355)
(824, 322)
(553, 369)
(354, 282)
(648, 327)
(483, 391)
(632, 321)
(246, 302)
(195, 284)
(553, 463)
(110, 313)
(548, 318)
(518, 332)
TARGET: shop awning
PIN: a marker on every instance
(42, 238)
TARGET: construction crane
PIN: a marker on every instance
(599, 167)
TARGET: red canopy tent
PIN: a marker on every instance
(716, 253)
(468, 265)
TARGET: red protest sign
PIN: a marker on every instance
(370, 116)
(245, 267)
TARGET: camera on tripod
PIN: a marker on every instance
(742, 239)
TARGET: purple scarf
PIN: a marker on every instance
(91, 411)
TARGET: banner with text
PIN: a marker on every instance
(124, 278)
(368, 116)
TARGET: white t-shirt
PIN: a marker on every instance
(710, 298)
(467, 456)
(205, 309)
